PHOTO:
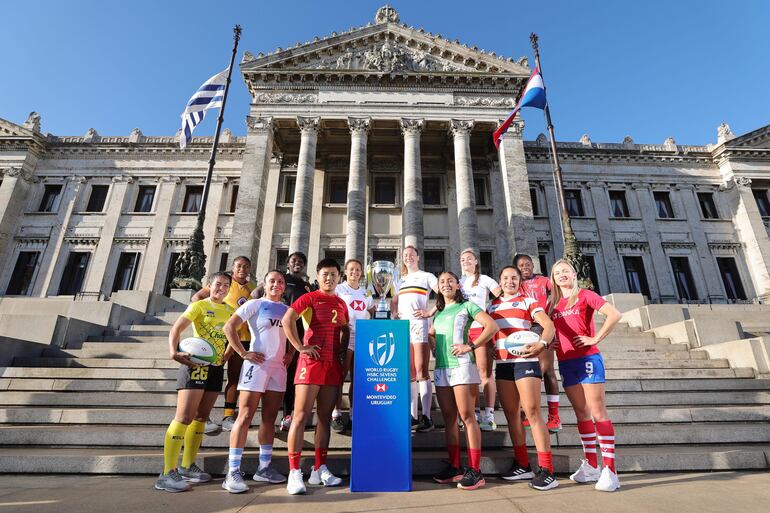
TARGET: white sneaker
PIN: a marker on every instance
(488, 422)
(323, 476)
(234, 483)
(212, 428)
(228, 423)
(296, 484)
(585, 473)
(608, 482)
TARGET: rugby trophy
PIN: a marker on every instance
(380, 276)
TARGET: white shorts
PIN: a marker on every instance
(462, 375)
(352, 342)
(262, 378)
(418, 331)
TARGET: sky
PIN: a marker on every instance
(650, 69)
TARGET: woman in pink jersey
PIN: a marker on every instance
(518, 378)
(582, 370)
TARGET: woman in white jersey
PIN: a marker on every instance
(477, 288)
(410, 302)
(360, 306)
(262, 378)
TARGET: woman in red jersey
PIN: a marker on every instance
(582, 370)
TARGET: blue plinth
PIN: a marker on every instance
(381, 459)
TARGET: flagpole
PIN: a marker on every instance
(191, 265)
(572, 251)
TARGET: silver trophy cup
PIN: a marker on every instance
(381, 275)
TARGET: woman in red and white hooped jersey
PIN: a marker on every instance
(582, 370)
(518, 378)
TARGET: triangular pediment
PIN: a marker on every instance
(757, 139)
(385, 47)
(10, 129)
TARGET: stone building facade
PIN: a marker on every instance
(363, 141)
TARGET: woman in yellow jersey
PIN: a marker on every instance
(240, 292)
(197, 386)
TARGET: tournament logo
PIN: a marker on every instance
(382, 349)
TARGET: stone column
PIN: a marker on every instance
(412, 222)
(14, 191)
(355, 238)
(502, 251)
(466, 195)
(615, 274)
(213, 209)
(250, 205)
(299, 238)
(154, 255)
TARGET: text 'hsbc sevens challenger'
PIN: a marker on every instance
(382, 430)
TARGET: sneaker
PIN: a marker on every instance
(585, 473)
(323, 476)
(449, 474)
(518, 473)
(608, 481)
(471, 480)
(172, 482)
(478, 416)
(212, 428)
(349, 426)
(460, 424)
(194, 474)
(425, 424)
(285, 424)
(227, 423)
(414, 422)
(234, 483)
(296, 484)
(524, 420)
(338, 426)
(554, 424)
(269, 475)
(543, 480)
(488, 423)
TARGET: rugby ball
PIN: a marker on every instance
(516, 342)
(201, 351)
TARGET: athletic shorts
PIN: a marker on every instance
(262, 378)
(316, 372)
(418, 331)
(462, 375)
(205, 377)
(513, 370)
(584, 370)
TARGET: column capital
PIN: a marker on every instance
(641, 185)
(594, 184)
(411, 125)
(122, 179)
(460, 126)
(358, 125)
(19, 172)
(259, 124)
(309, 124)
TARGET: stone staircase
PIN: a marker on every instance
(104, 407)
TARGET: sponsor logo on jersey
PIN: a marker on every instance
(358, 305)
(276, 322)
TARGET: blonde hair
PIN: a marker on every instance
(477, 270)
(555, 296)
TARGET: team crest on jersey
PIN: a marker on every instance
(358, 305)
(242, 300)
(382, 349)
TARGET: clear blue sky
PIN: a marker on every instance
(648, 69)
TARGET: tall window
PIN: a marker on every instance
(433, 261)
(50, 201)
(663, 204)
(763, 202)
(485, 264)
(731, 278)
(74, 274)
(431, 190)
(594, 275)
(480, 190)
(533, 199)
(384, 190)
(543, 264)
(574, 202)
(125, 276)
(707, 206)
(98, 198)
(281, 259)
(233, 198)
(193, 197)
(683, 278)
(337, 190)
(21, 279)
(635, 275)
(223, 261)
(289, 184)
(618, 204)
(145, 198)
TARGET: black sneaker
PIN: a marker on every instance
(518, 473)
(414, 422)
(349, 426)
(338, 426)
(472, 479)
(543, 480)
(425, 424)
(448, 474)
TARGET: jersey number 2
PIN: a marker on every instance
(334, 316)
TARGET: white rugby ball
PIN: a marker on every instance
(201, 351)
(516, 342)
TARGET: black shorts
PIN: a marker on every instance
(512, 371)
(205, 377)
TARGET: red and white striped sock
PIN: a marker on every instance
(553, 404)
(588, 439)
(607, 443)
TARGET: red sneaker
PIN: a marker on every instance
(524, 421)
(554, 424)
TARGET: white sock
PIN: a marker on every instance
(336, 414)
(426, 396)
(413, 398)
(265, 456)
(552, 399)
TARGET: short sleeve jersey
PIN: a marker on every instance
(478, 295)
(537, 288)
(237, 296)
(323, 317)
(295, 288)
(511, 315)
(413, 291)
(358, 302)
(208, 320)
(451, 326)
(263, 318)
(575, 321)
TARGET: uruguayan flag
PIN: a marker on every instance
(208, 96)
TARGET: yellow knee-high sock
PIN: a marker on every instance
(172, 445)
(192, 442)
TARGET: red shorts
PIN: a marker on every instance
(474, 333)
(318, 372)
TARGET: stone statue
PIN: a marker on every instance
(33, 122)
